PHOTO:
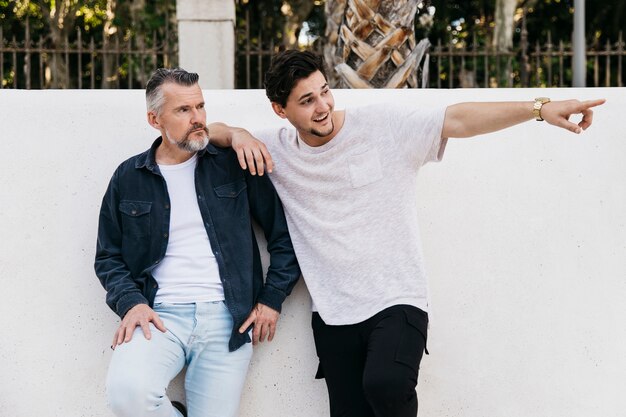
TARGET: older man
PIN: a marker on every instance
(177, 256)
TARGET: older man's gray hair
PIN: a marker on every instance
(154, 92)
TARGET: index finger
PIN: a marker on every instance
(587, 104)
(115, 339)
(246, 324)
(158, 323)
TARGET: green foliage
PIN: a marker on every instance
(142, 21)
(92, 17)
(459, 22)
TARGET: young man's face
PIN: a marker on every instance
(309, 107)
(182, 120)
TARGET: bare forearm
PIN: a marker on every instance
(470, 119)
(251, 152)
(221, 134)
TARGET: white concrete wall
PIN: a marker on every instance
(524, 234)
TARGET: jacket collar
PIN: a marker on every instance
(148, 158)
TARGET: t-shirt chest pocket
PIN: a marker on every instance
(365, 168)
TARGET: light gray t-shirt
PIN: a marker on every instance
(351, 207)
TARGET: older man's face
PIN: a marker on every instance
(183, 118)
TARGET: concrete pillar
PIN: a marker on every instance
(206, 40)
(579, 45)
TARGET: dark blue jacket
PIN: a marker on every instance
(134, 227)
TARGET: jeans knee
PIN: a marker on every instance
(128, 397)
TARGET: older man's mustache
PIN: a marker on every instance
(195, 127)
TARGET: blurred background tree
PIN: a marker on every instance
(52, 22)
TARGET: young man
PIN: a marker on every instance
(179, 261)
(348, 182)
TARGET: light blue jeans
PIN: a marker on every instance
(197, 336)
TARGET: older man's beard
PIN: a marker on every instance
(190, 145)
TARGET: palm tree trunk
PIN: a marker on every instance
(372, 43)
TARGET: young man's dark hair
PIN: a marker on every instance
(286, 69)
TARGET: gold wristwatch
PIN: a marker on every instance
(539, 102)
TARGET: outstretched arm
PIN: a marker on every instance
(251, 152)
(470, 119)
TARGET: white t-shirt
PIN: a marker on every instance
(189, 272)
(351, 207)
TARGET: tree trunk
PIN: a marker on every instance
(136, 14)
(371, 43)
(109, 71)
(334, 10)
(503, 36)
(60, 20)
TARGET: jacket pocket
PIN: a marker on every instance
(135, 218)
(232, 201)
(231, 190)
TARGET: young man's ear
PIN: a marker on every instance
(279, 110)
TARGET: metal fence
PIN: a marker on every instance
(80, 63)
(254, 53)
(547, 65)
(461, 66)
(127, 63)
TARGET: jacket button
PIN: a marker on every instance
(154, 285)
(133, 212)
(167, 206)
(164, 234)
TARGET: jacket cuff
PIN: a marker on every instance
(129, 301)
(271, 297)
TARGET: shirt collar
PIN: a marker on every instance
(148, 158)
